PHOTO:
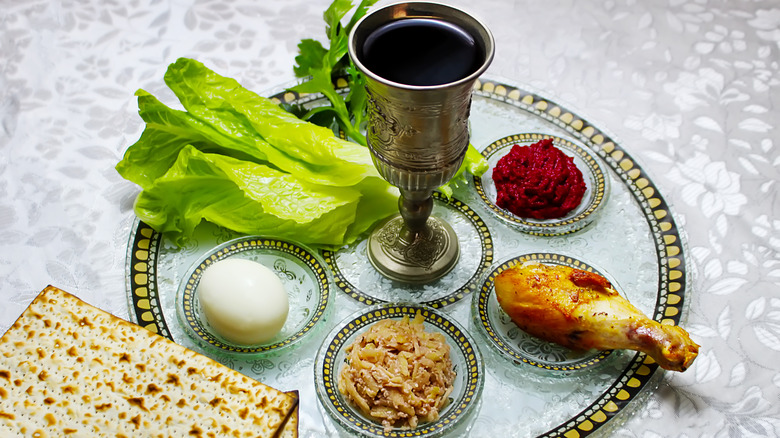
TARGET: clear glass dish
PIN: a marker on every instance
(355, 276)
(465, 356)
(303, 274)
(517, 346)
(593, 172)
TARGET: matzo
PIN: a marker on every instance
(290, 429)
(70, 369)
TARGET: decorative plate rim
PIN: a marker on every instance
(586, 161)
(470, 286)
(326, 370)
(194, 327)
(486, 327)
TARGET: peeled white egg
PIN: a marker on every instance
(243, 301)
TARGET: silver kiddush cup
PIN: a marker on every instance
(420, 61)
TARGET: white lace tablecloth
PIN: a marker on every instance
(690, 87)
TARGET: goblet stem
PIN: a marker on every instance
(415, 207)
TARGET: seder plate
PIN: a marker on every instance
(635, 239)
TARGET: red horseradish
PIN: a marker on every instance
(538, 181)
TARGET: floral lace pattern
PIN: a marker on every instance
(690, 87)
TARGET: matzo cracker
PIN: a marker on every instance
(70, 369)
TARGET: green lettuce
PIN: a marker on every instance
(473, 163)
(238, 160)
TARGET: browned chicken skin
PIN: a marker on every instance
(580, 310)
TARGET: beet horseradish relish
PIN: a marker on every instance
(538, 181)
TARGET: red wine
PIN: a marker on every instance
(421, 51)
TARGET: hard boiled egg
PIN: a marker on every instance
(243, 301)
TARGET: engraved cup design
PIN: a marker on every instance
(418, 146)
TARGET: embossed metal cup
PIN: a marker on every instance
(418, 136)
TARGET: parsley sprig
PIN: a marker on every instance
(323, 65)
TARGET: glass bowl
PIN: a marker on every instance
(304, 276)
(354, 274)
(465, 356)
(593, 172)
(517, 346)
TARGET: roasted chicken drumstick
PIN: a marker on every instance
(581, 310)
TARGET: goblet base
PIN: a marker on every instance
(416, 258)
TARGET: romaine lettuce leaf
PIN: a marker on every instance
(255, 199)
(168, 131)
(309, 151)
(238, 160)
